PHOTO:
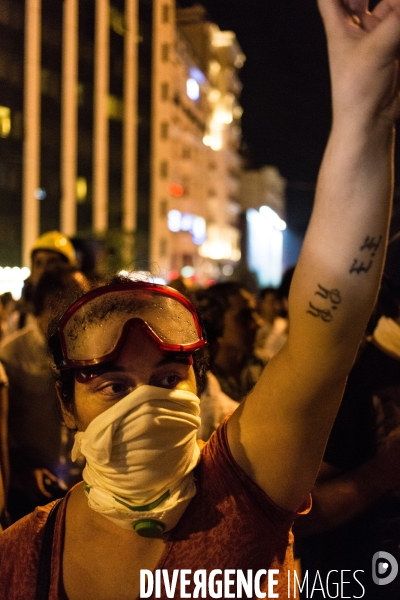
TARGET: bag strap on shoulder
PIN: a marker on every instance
(44, 567)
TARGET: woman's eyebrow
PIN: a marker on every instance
(173, 357)
(103, 368)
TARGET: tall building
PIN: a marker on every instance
(119, 120)
(262, 194)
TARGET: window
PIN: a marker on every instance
(163, 247)
(50, 84)
(164, 52)
(163, 169)
(5, 121)
(165, 13)
(115, 107)
(17, 125)
(81, 190)
(163, 208)
(164, 130)
(164, 91)
(186, 153)
(117, 21)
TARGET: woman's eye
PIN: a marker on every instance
(170, 381)
(116, 388)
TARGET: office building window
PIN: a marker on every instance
(163, 247)
(164, 52)
(163, 208)
(164, 91)
(164, 169)
(5, 121)
(165, 13)
(164, 130)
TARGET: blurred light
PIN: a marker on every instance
(215, 67)
(175, 189)
(40, 194)
(115, 107)
(239, 61)
(227, 270)
(222, 243)
(214, 95)
(192, 89)
(265, 243)
(142, 276)
(186, 222)
(196, 74)
(174, 220)
(237, 111)
(223, 116)
(81, 189)
(187, 271)
(272, 218)
(199, 230)
(223, 39)
(5, 121)
(12, 280)
(173, 274)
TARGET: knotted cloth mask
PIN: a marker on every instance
(140, 454)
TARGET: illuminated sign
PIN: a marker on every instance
(193, 224)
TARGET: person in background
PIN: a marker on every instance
(51, 250)
(37, 441)
(231, 322)
(4, 461)
(273, 324)
(128, 380)
(267, 346)
(8, 315)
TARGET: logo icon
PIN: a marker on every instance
(384, 568)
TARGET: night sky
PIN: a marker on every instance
(286, 91)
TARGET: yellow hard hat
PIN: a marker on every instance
(55, 241)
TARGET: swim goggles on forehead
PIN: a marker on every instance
(93, 329)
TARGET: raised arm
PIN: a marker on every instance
(279, 433)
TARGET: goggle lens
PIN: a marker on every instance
(92, 329)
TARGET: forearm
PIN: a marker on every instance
(338, 274)
(279, 433)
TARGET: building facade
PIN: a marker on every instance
(120, 121)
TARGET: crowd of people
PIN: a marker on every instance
(143, 428)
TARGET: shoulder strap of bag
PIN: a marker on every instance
(43, 576)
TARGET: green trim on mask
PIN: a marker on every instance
(146, 507)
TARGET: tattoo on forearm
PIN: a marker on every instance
(333, 299)
(369, 248)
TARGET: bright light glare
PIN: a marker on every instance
(272, 218)
(12, 280)
(192, 89)
(197, 74)
(187, 271)
(142, 276)
(174, 220)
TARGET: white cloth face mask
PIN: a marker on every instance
(140, 454)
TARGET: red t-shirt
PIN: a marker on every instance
(230, 524)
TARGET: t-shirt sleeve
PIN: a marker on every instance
(19, 554)
(242, 486)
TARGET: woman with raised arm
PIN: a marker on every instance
(156, 510)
